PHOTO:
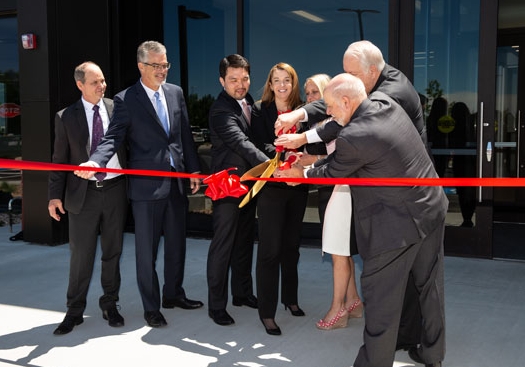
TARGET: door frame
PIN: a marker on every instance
(477, 241)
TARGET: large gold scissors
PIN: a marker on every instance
(263, 170)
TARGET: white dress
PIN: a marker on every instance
(337, 222)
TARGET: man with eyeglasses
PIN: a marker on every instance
(151, 117)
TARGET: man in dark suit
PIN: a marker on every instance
(75, 135)
(151, 117)
(399, 229)
(233, 228)
(364, 60)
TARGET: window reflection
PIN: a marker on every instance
(445, 73)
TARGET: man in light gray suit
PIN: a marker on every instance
(399, 229)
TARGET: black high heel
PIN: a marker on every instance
(297, 312)
(274, 331)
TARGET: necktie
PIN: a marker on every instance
(96, 135)
(246, 111)
(161, 112)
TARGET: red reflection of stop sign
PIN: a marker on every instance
(9, 110)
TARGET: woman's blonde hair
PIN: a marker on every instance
(320, 80)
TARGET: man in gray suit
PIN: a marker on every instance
(364, 60)
(95, 206)
(399, 229)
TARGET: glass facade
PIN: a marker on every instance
(10, 130)
(309, 35)
(446, 44)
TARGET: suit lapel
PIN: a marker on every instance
(81, 123)
(109, 108)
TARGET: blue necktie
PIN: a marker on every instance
(161, 112)
(96, 136)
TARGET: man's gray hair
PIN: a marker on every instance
(346, 85)
(367, 53)
(149, 46)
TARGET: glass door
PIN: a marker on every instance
(509, 159)
(448, 62)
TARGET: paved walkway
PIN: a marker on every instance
(484, 304)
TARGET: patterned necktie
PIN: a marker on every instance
(96, 135)
(247, 112)
(161, 112)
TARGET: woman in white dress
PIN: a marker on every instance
(336, 217)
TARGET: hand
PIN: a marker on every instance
(195, 184)
(296, 171)
(285, 121)
(53, 206)
(86, 174)
(307, 159)
(291, 141)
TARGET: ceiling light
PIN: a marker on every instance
(306, 15)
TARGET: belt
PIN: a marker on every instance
(104, 183)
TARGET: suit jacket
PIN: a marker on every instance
(380, 141)
(72, 146)
(394, 84)
(135, 122)
(231, 136)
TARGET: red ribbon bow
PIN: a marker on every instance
(222, 184)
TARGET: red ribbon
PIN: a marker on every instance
(389, 181)
(222, 184)
(43, 166)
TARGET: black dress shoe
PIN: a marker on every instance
(221, 317)
(183, 302)
(113, 317)
(68, 324)
(250, 301)
(269, 330)
(296, 312)
(414, 355)
(155, 319)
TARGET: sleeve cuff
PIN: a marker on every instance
(312, 136)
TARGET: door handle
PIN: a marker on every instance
(518, 150)
(480, 155)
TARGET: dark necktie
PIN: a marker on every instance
(247, 112)
(96, 136)
(161, 112)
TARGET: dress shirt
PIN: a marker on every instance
(151, 95)
(88, 107)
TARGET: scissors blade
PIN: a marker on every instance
(272, 165)
(255, 171)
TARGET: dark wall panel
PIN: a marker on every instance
(68, 33)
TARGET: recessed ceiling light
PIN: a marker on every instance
(306, 15)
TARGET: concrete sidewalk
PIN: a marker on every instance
(484, 305)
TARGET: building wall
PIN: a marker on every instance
(106, 32)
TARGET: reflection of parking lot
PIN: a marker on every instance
(198, 136)
(205, 157)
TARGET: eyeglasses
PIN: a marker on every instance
(159, 67)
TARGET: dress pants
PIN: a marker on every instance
(104, 212)
(153, 219)
(231, 247)
(383, 283)
(280, 211)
